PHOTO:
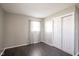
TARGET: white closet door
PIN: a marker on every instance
(68, 34)
(57, 32)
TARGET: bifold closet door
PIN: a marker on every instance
(57, 32)
(68, 33)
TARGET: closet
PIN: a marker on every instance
(62, 30)
(68, 33)
(57, 32)
(64, 33)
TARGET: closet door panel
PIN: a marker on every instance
(68, 33)
(57, 32)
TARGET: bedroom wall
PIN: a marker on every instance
(48, 31)
(1, 28)
(62, 12)
(77, 30)
(16, 30)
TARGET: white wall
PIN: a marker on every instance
(16, 30)
(62, 12)
(48, 33)
(1, 29)
(66, 11)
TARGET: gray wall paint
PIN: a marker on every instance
(16, 30)
(1, 29)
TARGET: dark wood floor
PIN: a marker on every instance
(39, 49)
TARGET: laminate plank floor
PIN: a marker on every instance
(38, 49)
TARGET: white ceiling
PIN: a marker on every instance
(38, 10)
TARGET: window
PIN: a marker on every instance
(35, 26)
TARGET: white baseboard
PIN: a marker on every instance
(16, 46)
(2, 52)
(48, 43)
(19, 45)
(35, 42)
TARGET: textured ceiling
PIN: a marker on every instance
(38, 10)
